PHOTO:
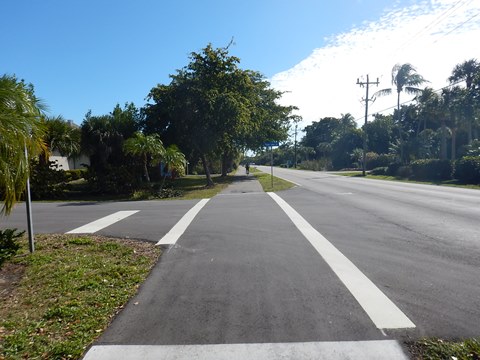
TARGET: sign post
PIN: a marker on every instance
(271, 144)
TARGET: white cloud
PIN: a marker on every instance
(433, 36)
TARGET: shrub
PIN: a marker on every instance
(47, 181)
(432, 169)
(75, 174)
(8, 244)
(375, 161)
(322, 164)
(392, 168)
(467, 170)
(114, 180)
(404, 172)
(379, 171)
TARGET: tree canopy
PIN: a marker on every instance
(21, 131)
(213, 107)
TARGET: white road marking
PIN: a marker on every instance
(99, 224)
(381, 310)
(372, 350)
(174, 234)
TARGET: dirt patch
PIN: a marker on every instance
(10, 276)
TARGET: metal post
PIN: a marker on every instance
(271, 164)
(28, 202)
(296, 146)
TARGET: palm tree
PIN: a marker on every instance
(404, 78)
(61, 136)
(147, 147)
(467, 71)
(173, 159)
(20, 134)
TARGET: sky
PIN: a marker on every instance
(86, 55)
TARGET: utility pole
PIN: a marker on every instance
(296, 145)
(367, 99)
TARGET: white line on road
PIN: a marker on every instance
(383, 312)
(372, 350)
(174, 234)
(99, 224)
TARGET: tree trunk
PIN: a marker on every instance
(443, 145)
(454, 143)
(225, 159)
(207, 171)
(145, 169)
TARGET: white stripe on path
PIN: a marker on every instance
(381, 310)
(99, 224)
(174, 234)
(372, 350)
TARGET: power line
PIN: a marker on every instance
(450, 11)
(409, 101)
(456, 27)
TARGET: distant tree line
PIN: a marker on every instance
(207, 116)
(439, 127)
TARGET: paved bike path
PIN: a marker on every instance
(241, 274)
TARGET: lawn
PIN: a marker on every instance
(266, 181)
(58, 300)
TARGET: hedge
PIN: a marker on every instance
(467, 170)
(432, 169)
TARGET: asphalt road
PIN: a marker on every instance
(244, 273)
(419, 243)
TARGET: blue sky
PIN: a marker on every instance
(85, 54)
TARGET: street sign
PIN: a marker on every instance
(271, 143)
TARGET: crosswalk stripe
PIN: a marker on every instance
(174, 234)
(99, 224)
(372, 350)
(381, 310)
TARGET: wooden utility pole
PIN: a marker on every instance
(367, 99)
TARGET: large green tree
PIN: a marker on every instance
(212, 108)
(20, 132)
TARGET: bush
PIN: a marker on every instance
(467, 170)
(432, 169)
(114, 180)
(47, 182)
(75, 174)
(392, 168)
(8, 244)
(404, 172)
(379, 171)
(316, 165)
(375, 161)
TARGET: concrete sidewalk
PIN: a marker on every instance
(243, 184)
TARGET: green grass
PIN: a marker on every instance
(433, 349)
(453, 183)
(184, 188)
(266, 181)
(71, 288)
(193, 186)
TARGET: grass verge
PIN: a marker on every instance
(184, 188)
(266, 181)
(433, 349)
(453, 183)
(67, 292)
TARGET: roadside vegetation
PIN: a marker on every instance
(438, 349)
(435, 137)
(453, 183)
(266, 181)
(55, 302)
